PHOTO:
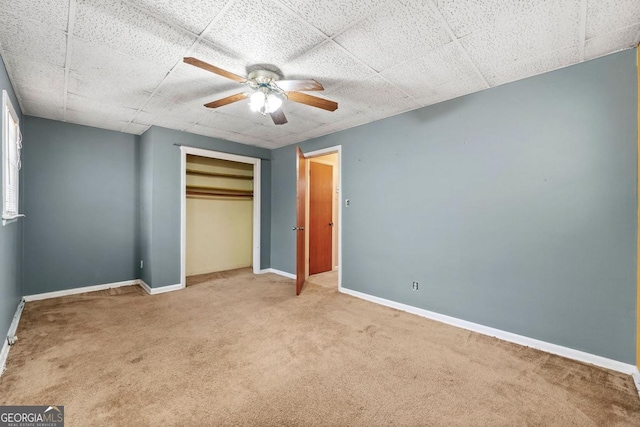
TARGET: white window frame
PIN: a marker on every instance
(8, 115)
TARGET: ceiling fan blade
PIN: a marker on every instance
(219, 71)
(313, 101)
(227, 100)
(278, 117)
(288, 85)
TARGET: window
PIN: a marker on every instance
(11, 145)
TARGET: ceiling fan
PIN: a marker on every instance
(267, 91)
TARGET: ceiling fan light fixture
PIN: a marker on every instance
(273, 103)
(257, 101)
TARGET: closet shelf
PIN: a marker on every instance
(203, 193)
(219, 175)
(201, 190)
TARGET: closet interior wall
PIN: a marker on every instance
(219, 215)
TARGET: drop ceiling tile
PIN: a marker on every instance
(240, 110)
(269, 132)
(135, 128)
(124, 28)
(206, 51)
(45, 111)
(90, 119)
(99, 110)
(195, 88)
(91, 62)
(547, 27)
(210, 132)
(315, 116)
(452, 90)
(160, 107)
(331, 16)
(171, 123)
(402, 30)
(605, 16)
(612, 42)
(51, 96)
(283, 141)
(250, 140)
(473, 16)
(374, 96)
(106, 92)
(31, 40)
(30, 74)
(329, 64)
(54, 13)
(226, 122)
(192, 15)
(532, 66)
(442, 65)
(261, 31)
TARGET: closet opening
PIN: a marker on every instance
(220, 213)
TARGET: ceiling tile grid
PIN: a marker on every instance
(191, 15)
(396, 33)
(122, 66)
(126, 29)
(331, 16)
(262, 31)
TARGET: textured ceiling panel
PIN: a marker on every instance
(331, 16)
(106, 66)
(261, 31)
(118, 95)
(547, 27)
(396, 33)
(376, 58)
(453, 90)
(532, 66)
(605, 16)
(374, 96)
(442, 65)
(31, 40)
(90, 119)
(211, 132)
(329, 64)
(46, 111)
(100, 110)
(610, 42)
(226, 122)
(54, 13)
(195, 87)
(124, 28)
(192, 15)
(136, 128)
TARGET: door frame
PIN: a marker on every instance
(318, 153)
(184, 151)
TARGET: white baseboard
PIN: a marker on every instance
(506, 336)
(82, 290)
(636, 379)
(278, 272)
(160, 290)
(4, 353)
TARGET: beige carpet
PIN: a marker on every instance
(240, 349)
(328, 279)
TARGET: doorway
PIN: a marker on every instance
(322, 218)
(209, 167)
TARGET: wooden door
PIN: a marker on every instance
(320, 217)
(300, 219)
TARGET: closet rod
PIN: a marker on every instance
(201, 193)
(218, 189)
(220, 175)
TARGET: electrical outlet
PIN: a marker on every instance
(141, 264)
(415, 286)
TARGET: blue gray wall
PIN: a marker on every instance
(514, 207)
(81, 202)
(10, 239)
(160, 201)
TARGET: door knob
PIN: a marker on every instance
(297, 228)
(331, 224)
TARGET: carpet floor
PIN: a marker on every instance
(239, 349)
